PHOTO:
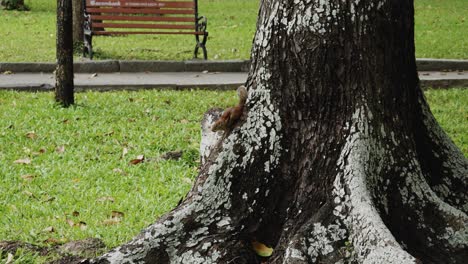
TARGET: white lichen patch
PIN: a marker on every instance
(293, 254)
(322, 16)
(321, 240)
(372, 241)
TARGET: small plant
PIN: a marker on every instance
(14, 5)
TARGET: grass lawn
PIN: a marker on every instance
(30, 36)
(70, 168)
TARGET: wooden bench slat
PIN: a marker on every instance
(131, 17)
(140, 3)
(149, 26)
(147, 32)
(144, 18)
(140, 11)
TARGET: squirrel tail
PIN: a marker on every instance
(243, 94)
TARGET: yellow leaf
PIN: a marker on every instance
(261, 249)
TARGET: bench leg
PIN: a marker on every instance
(88, 46)
(202, 45)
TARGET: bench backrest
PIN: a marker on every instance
(143, 16)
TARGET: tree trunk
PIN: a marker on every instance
(78, 20)
(64, 86)
(338, 158)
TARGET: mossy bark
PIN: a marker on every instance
(337, 159)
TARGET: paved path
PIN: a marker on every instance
(176, 80)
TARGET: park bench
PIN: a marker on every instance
(125, 17)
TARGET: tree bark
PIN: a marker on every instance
(78, 20)
(337, 159)
(64, 85)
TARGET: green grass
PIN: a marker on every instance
(450, 107)
(30, 36)
(94, 135)
(441, 29)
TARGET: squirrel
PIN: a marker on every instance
(231, 115)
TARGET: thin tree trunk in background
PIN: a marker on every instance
(64, 72)
(78, 20)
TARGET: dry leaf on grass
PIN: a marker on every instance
(138, 160)
(70, 222)
(117, 214)
(124, 152)
(60, 149)
(105, 199)
(31, 135)
(83, 226)
(10, 259)
(23, 161)
(111, 221)
(49, 229)
(28, 177)
(30, 194)
(54, 241)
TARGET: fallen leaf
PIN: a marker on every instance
(42, 150)
(139, 159)
(110, 133)
(117, 215)
(94, 75)
(66, 121)
(205, 72)
(49, 199)
(261, 249)
(124, 152)
(112, 221)
(22, 161)
(76, 213)
(28, 177)
(60, 149)
(70, 222)
(53, 241)
(184, 121)
(31, 135)
(83, 226)
(7, 72)
(49, 229)
(30, 194)
(105, 199)
(10, 258)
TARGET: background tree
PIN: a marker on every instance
(14, 5)
(338, 157)
(64, 86)
(78, 19)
